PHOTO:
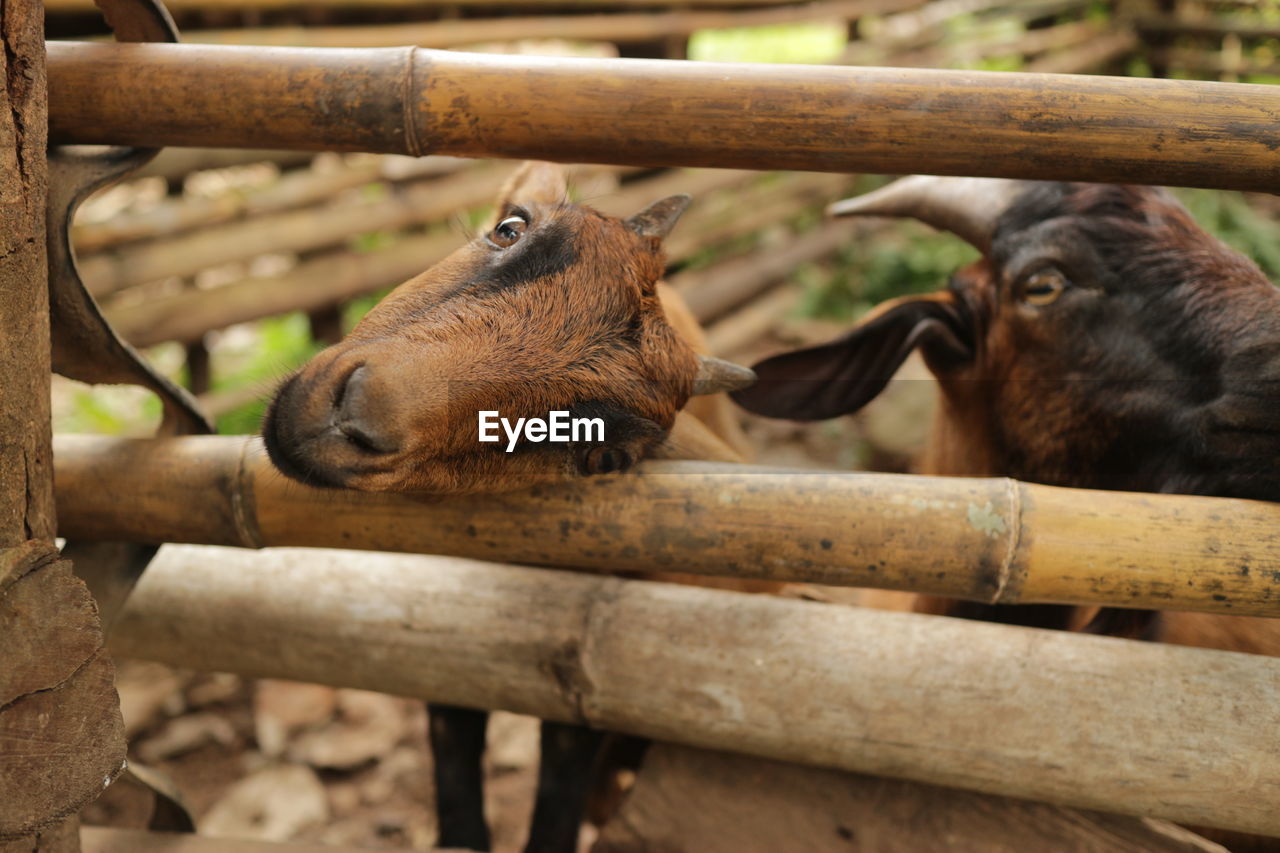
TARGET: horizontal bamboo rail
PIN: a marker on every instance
(992, 540)
(293, 190)
(1208, 27)
(618, 28)
(713, 292)
(648, 112)
(174, 164)
(1036, 714)
(299, 230)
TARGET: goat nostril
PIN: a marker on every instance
(350, 386)
(365, 440)
(352, 415)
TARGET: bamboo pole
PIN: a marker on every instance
(820, 118)
(1093, 54)
(327, 279)
(617, 28)
(178, 6)
(750, 324)
(293, 190)
(993, 540)
(289, 231)
(173, 164)
(1035, 714)
(1211, 27)
(713, 292)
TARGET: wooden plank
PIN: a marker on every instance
(1044, 715)
(818, 118)
(994, 540)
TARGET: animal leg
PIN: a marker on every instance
(564, 779)
(457, 745)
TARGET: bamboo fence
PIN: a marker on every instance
(991, 540)
(821, 118)
(896, 694)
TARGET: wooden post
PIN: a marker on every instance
(61, 737)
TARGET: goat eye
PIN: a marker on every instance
(1043, 287)
(508, 231)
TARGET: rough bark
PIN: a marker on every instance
(61, 737)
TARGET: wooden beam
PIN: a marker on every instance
(1042, 715)
(993, 540)
(817, 118)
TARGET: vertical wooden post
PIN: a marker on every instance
(59, 714)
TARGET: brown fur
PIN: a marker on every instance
(452, 341)
(1157, 369)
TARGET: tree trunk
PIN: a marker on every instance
(60, 730)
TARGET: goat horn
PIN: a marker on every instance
(716, 375)
(967, 207)
(659, 218)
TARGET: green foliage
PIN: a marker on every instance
(791, 43)
(1229, 216)
(899, 260)
(283, 344)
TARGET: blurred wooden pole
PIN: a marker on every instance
(657, 113)
(616, 28)
(993, 540)
(1043, 715)
(65, 6)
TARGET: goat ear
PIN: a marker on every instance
(659, 218)
(535, 182)
(842, 376)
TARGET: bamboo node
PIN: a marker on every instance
(412, 144)
(244, 509)
(1013, 535)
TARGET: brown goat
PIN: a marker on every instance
(556, 307)
(1103, 341)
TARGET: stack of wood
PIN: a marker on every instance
(1232, 41)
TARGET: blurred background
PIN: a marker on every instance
(231, 268)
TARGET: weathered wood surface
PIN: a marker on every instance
(61, 737)
(994, 540)
(818, 118)
(1042, 715)
(713, 802)
(61, 734)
